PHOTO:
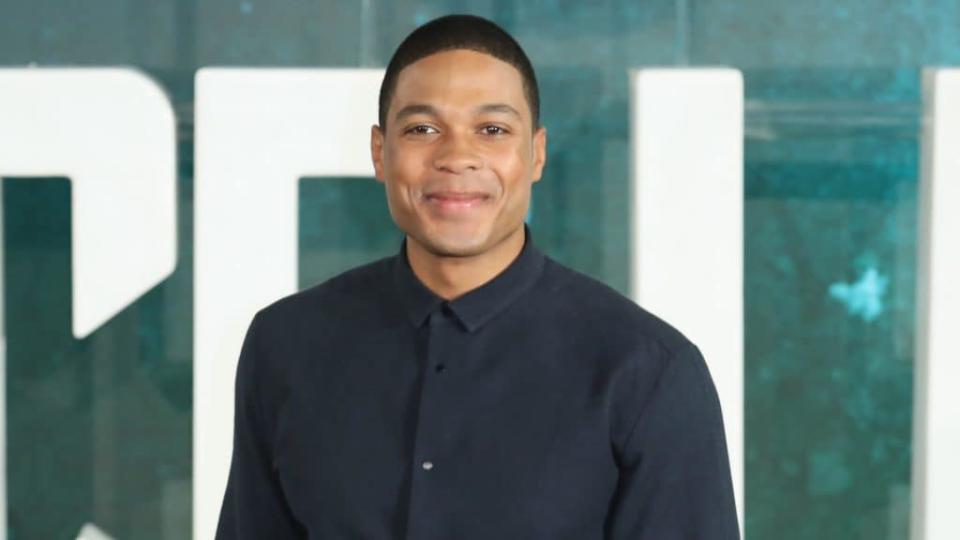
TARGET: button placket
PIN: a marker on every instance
(441, 321)
(428, 445)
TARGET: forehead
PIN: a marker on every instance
(460, 78)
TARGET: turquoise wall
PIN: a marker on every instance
(99, 429)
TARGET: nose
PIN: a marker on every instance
(456, 155)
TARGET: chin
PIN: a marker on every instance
(445, 247)
(455, 244)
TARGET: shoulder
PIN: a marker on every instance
(632, 349)
(604, 313)
(356, 290)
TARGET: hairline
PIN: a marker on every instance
(528, 89)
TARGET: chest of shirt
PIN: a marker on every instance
(507, 430)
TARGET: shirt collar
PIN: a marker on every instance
(479, 305)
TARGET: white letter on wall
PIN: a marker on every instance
(687, 221)
(257, 132)
(936, 439)
(112, 133)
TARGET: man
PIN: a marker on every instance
(470, 387)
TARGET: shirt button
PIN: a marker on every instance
(440, 368)
(427, 465)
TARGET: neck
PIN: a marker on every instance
(450, 277)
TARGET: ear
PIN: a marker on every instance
(539, 152)
(376, 151)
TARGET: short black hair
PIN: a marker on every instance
(460, 32)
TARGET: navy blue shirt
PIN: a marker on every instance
(542, 404)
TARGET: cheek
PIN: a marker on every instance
(405, 166)
(403, 178)
(513, 166)
(399, 196)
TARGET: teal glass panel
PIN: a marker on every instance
(829, 326)
(98, 429)
(343, 223)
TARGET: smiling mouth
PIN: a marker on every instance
(453, 201)
(456, 195)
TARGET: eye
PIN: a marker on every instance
(493, 130)
(421, 129)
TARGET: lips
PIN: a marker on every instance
(456, 196)
(450, 202)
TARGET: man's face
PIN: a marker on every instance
(459, 153)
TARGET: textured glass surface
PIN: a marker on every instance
(99, 430)
(829, 336)
(344, 222)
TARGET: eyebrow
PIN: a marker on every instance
(422, 108)
(411, 110)
(498, 108)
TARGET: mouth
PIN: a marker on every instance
(449, 202)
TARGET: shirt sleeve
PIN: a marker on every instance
(253, 506)
(675, 479)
